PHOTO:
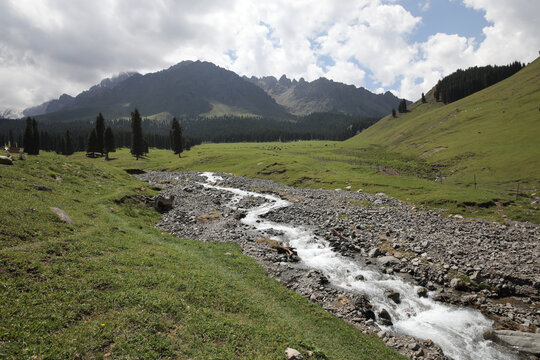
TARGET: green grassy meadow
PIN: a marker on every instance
(337, 165)
(111, 285)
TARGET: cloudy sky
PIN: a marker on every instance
(50, 47)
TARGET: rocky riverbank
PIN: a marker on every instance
(488, 266)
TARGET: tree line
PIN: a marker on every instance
(463, 83)
(65, 138)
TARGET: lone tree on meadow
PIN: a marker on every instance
(138, 146)
(100, 129)
(393, 113)
(424, 99)
(402, 108)
(108, 142)
(176, 137)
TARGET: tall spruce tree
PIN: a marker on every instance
(100, 130)
(108, 142)
(28, 138)
(69, 146)
(176, 137)
(402, 108)
(138, 145)
(92, 144)
(424, 99)
(11, 138)
(35, 135)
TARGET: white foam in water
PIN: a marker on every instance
(211, 178)
(457, 331)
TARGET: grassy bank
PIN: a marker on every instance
(110, 285)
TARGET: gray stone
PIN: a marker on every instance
(422, 292)
(293, 354)
(385, 318)
(477, 276)
(163, 203)
(62, 215)
(388, 261)
(525, 342)
(375, 252)
(457, 284)
(394, 296)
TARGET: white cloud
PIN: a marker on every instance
(55, 46)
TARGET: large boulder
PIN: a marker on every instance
(164, 203)
(386, 261)
(385, 318)
(521, 341)
(6, 160)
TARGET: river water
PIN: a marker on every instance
(458, 331)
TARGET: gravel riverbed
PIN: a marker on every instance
(473, 263)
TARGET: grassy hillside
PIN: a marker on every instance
(493, 134)
(110, 285)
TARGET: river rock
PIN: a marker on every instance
(375, 252)
(385, 318)
(524, 342)
(394, 296)
(457, 284)
(422, 292)
(387, 261)
(293, 354)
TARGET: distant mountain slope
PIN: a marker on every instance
(323, 95)
(65, 100)
(188, 88)
(492, 135)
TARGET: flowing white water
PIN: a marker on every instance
(457, 331)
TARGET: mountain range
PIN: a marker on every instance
(323, 95)
(196, 88)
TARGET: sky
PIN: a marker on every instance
(51, 47)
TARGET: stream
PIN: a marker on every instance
(458, 331)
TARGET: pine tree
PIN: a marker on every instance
(100, 129)
(393, 113)
(11, 138)
(92, 145)
(28, 138)
(35, 137)
(69, 148)
(176, 137)
(402, 108)
(138, 146)
(108, 142)
(424, 99)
